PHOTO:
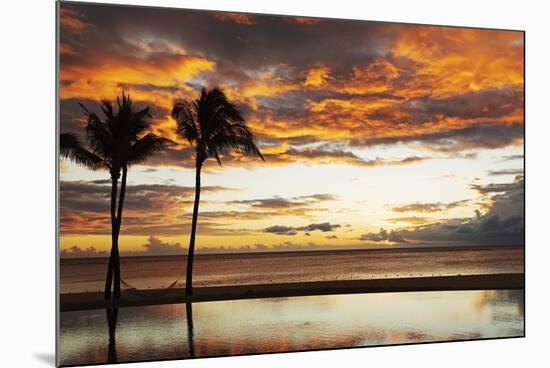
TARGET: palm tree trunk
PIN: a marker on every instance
(109, 276)
(116, 259)
(191, 252)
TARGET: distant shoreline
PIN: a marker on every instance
(130, 298)
(244, 254)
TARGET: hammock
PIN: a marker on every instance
(129, 288)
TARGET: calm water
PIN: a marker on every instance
(232, 269)
(287, 324)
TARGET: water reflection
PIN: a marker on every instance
(112, 317)
(286, 324)
(189, 318)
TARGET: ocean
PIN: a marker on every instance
(88, 274)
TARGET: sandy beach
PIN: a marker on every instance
(94, 300)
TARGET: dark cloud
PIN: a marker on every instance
(280, 230)
(487, 136)
(486, 104)
(165, 209)
(498, 188)
(383, 236)
(76, 252)
(94, 196)
(289, 230)
(323, 155)
(116, 32)
(324, 227)
(155, 246)
(512, 157)
(148, 208)
(282, 203)
(502, 224)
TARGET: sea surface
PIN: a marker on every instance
(287, 324)
(79, 275)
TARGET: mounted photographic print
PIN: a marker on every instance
(234, 183)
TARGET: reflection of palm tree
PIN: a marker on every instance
(112, 317)
(116, 143)
(190, 332)
(214, 126)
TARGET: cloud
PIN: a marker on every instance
(502, 224)
(94, 196)
(325, 155)
(491, 103)
(155, 246)
(324, 227)
(415, 220)
(513, 172)
(289, 230)
(286, 203)
(239, 18)
(317, 77)
(165, 209)
(482, 136)
(429, 207)
(356, 83)
(280, 230)
(314, 91)
(70, 19)
(383, 236)
(148, 208)
(512, 157)
(499, 187)
(76, 252)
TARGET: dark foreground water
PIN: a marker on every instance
(287, 324)
(78, 275)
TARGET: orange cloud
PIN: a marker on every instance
(305, 20)
(459, 59)
(239, 18)
(160, 71)
(415, 82)
(70, 18)
(317, 77)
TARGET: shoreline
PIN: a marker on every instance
(143, 297)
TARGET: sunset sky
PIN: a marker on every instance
(374, 134)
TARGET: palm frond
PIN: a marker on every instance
(184, 113)
(140, 122)
(214, 126)
(145, 147)
(71, 148)
(226, 143)
(99, 136)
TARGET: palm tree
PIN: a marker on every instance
(115, 143)
(214, 126)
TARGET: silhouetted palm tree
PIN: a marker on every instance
(214, 126)
(115, 143)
